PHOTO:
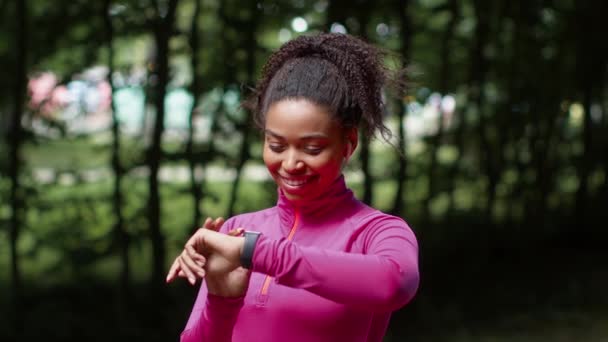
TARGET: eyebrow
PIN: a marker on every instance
(305, 137)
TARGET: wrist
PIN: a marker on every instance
(231, 285)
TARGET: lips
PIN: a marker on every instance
(296, 182)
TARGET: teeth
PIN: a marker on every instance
(293, 182)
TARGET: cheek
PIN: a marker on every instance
(327, 165)
(270, 160)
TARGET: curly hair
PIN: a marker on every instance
(340, 72)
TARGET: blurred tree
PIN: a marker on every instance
(543, 106)
(402, 8)
(120, 234)
(15, 140)
(196, 90)
(162, 24)
(444, 77)
(592, 62)
(250, 27)
(477, 92)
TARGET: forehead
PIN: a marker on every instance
(299, 116)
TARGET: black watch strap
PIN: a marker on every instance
(251, 238)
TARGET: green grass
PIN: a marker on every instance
(66, 154)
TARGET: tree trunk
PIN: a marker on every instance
(592, 60)
(15, 140)
(368, 178)
(401, 176)
(584, 166)
(402, 8)
(444, 82)
(478, 80)
(604, 187)
(243, 157)
(363, 16)
(163, 27)
(120, 233)
(452, 173)
(516, 119)
(195, 89)
(604, 149)
(250, 30)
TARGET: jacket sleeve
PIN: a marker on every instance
(212, 317)
(384, 278)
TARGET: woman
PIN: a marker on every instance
(320, 265)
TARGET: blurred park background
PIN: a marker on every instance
(122, 131)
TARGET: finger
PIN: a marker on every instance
(181, 273)
(208, 223)
(197, 257)
(217, 224)
(214, 225)
(236, 232)
(192, 265)
(172, 271)
(191, 277)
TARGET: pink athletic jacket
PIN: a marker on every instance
(330, 270)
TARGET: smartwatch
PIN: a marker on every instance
(251, 238)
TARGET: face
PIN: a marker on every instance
(304, 149)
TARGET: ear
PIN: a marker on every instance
(352, 139)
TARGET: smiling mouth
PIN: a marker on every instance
(296, 182)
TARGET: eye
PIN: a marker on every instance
(274, 147)
(313, 150)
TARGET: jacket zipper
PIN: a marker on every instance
(292, 232)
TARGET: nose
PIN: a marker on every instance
(292, 162)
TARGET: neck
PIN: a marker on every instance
(333, 196)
